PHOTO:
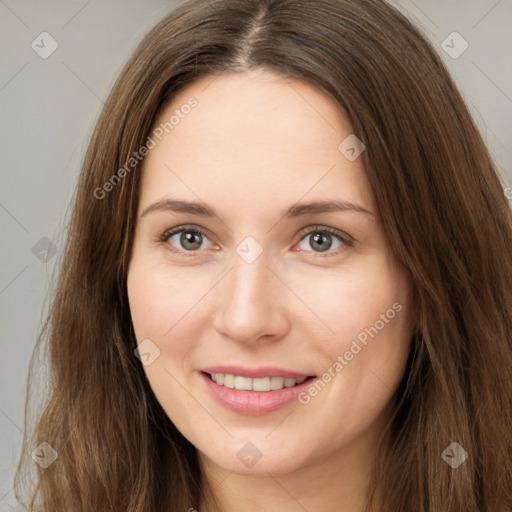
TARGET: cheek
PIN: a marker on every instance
(368, 313)
(167, 306)
(161, 299)
(162, 310)
(349, 301)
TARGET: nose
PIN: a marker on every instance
(251, 305)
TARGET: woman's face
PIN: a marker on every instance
(278, 270)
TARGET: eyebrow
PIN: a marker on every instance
(297, 210)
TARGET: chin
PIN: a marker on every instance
(257, 458)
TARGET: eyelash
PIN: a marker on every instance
(345, 239)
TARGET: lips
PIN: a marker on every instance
(253, 402)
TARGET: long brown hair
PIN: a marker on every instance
(444, 212)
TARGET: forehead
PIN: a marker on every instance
(253, 135)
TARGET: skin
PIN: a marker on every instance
(256, 144)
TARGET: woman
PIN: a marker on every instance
(288, 278)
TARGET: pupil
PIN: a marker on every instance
(322, 241)
(191, 240)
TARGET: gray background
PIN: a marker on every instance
(48, 108)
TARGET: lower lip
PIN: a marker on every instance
(254, 403)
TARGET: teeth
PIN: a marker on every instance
(248, 384)
(261, 384)
(243, 383)
(229, 381)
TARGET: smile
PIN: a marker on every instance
(254, 396)
(263, 384)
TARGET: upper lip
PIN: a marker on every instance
(254, 373)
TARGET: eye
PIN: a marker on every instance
(323, 239)
(320, 239)
(186, 239)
